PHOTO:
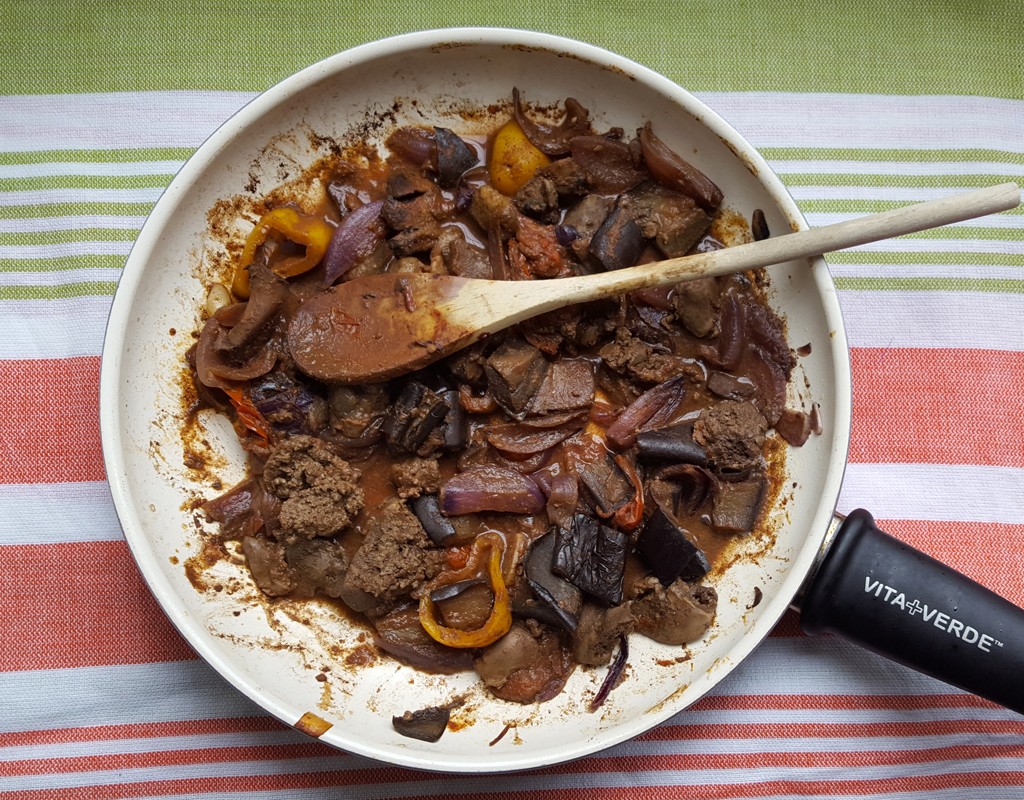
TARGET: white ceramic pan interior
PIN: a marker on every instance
(274, 654)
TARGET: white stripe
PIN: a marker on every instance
(965, 270)
(53, 513)
(52, 328)
(782, 119)
(924, 168)
(115, 120)
(904, 245)
(59, 277)
(938, 492)
(993, 221)
(920, 318)
(19, 252)
(907, 194)
(118, 695)
(94, 168)
(70, 223)
(148, 195)
(767, 119)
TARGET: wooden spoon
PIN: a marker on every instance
(376, 327)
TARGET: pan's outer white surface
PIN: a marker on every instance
(427, 78)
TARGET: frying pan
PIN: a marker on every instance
(316, 670)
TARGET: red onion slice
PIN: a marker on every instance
(355, 238)
(488, 488)
(553, 139)
(672, 171)
(659, 403)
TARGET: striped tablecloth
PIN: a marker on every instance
(859, 106)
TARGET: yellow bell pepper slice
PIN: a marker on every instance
(513, 159)
(500, 619)
(305, 229)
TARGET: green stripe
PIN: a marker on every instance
(943, 258)
(970, 181)
(118, 156)
(994, 285)
(45, 182)
(970, 48)
(62, 291)
(853, 206)
(70, 235)
(888, 154)
(61, 263)
(46, 210)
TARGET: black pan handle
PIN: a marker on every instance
(896, 601)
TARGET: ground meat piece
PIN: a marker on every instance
(677, 614)
(567, 177)
(732, 433)
(525, 666)
(599, 631)
(396, 557)
(636, 359)
(297, 463)
(320, 491)
(671, 219)
(695, 304)
(326, 508)
(538, 198)
(415, 476)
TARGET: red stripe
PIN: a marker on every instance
(49, 421)
(840, 702)
(651, 762)
(938, 406)
(847, 786)
(791, 730)
(142, 730)
(78, 605)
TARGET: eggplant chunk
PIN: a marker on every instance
(609, 487)
(737, 505)
(426, 724)
(669, 552)
(555, 600)
(514, 373)
(592, 557)
(427, 509)
(673, 444)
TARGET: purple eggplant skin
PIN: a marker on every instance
(674, 444)
(559, 602)
(592, 557)
(668, 551)
(427, 509)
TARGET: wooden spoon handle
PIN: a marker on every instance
(546, 295)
